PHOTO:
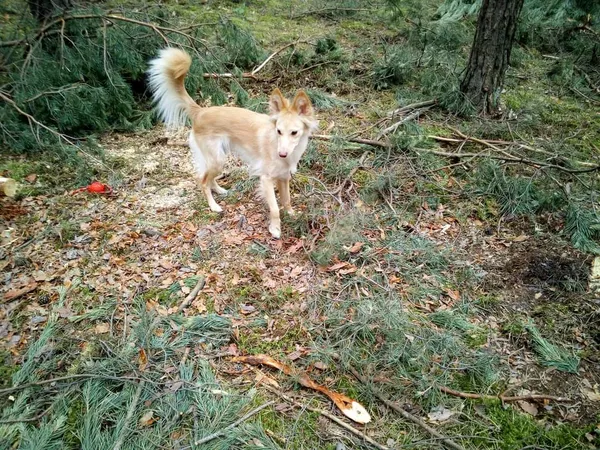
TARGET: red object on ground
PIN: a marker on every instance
(95, 188)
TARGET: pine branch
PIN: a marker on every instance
(215, 435)
(330, 416)
(60, 136)
(130, 411)
(502, 398)
(447, 441)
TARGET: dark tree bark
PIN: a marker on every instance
(42, 9)
(490, 53)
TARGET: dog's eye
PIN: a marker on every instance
(294, 133)
(279, 132)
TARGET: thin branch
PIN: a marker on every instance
(371, 142)
(447, 441)
(510, 158)
(415, 114)
(502, 398)
(276, 52)
(76, 376)
(330, 416)
(192, 295)
(361, 161)
(216, 434)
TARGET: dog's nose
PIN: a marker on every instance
(282, 154)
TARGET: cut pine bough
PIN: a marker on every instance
(350, 408)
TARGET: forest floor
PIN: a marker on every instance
(390, 268)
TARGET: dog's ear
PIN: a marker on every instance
(302, 105)
(277, 102)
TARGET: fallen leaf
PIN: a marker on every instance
(320, 365)
(296, 271)
(297, 246)
(356, 247)
(592, 394)
(147, 419)
(338, 266)
(31, 178)
(529, 408)
(142, 360)
(263, 378)
(39, 275)
(440, 414)
(294, 355)
(454, 295)
(16, 293)
(175, 386)
(101, 328)
(247, 309)
(351, 269)
(521, 238)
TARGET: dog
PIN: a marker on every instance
(270, 145)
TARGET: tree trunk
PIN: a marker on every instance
(490, 53)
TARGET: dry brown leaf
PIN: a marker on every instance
(297, 246)
(294, 355)
(454, 295)
(529, 408)
(338, 266)
(356, 247)
(147, 419)
(263, 378)
(101, 328)
(16, 293)
(142, 360)
(320, 365)
(31, 178)
(351, 269)
(296, 271)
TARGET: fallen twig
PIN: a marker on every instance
(330, 416)
(371, 142)
(216, 434)
(510, 158)
(502, 398)
(397, 124)
(351, 174)
(446, 440)
(83, 376)
(192, 295)
(279, 50)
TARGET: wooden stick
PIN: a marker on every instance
(192, 295)
(216, 434)
(446, 440)
(395, 126)
(502, 398)
(330, 416)
(371, 142)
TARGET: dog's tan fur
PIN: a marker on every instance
(271, 145)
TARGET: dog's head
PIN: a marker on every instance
(292, 121)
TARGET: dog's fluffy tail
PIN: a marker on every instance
(166, 75)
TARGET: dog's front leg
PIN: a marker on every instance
(284, 195)
(268, 191)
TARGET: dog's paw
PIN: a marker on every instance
(290, 212)
(216, 208)
(275, 230)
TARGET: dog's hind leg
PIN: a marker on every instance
(209, 160)
(218, 189)
(268, 192)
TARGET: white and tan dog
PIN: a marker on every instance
(271, 145)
